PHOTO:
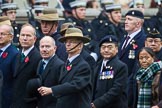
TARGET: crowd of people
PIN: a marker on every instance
(70, 62)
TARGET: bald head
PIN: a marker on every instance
(47, 47)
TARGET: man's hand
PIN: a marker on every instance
(93, 106)
(44, 91)
(155, 106)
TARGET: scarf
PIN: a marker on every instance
(145, 77)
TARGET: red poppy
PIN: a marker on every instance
(68, 68)
(135, 46)
(26, 59)
(4, 55)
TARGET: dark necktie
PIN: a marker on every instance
(67, 63)
(41, 68)
(126, 41)
(1, 51)
(22, 57)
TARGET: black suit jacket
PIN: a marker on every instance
(24, 72)
(74, 90)
(111, 93)
(50, 78)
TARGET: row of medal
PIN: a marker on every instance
(106, 75)
(131, 54)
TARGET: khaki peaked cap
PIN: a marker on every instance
(49, 14)
(74, 33)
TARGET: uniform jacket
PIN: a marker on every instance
(159, 54)
(25, 71)
(111, 93)
(124, 55)
(50, 77)
(61, 50)
(87, 30)
(103, 26)
(16, 28)
(129, 57)
(88, 58)
(7, 66)
(75, 89)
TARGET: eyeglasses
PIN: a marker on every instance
(155, 41)
(4, 34)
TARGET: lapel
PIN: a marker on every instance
(7, 52)
(129, 45)
(51, 63)
(21, 66)
(73, 63)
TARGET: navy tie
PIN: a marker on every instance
(41, 69)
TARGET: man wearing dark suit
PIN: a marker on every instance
(51, 71)
(8, 55)
(75, 88)
(26, 66)
(111, 75)
(130, 46)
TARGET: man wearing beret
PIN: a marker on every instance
(130, 46)
(75, 87)
(111, 74)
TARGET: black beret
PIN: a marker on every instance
(135, 13)
(108, 39)
(154, 34)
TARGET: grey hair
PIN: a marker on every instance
(53, 40)
(27, 24)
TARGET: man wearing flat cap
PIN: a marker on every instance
(129, 47)
(9, 9)
(49, 22)
(111, 74)
(75, 88)
(110, 25)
